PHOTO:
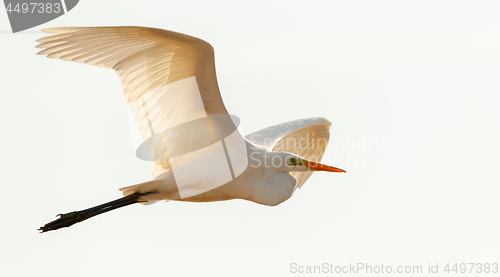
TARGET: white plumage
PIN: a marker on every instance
(198, 154)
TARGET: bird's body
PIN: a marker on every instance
(197, 151)
(260, 182)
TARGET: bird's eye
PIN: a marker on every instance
(292, 161)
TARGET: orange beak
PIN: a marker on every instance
(321, 167)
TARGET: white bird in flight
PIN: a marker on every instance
(197, 150)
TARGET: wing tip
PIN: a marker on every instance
(60, 30)
(324, 118)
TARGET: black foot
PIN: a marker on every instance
(64, 220)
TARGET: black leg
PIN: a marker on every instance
(66, 220)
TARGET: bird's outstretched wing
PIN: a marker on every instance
(307, 138)
(168, 78)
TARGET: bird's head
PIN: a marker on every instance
(288, 162)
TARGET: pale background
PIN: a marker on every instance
(412, 88)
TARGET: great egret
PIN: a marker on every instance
(198, 154)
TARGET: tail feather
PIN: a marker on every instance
(146, 191)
